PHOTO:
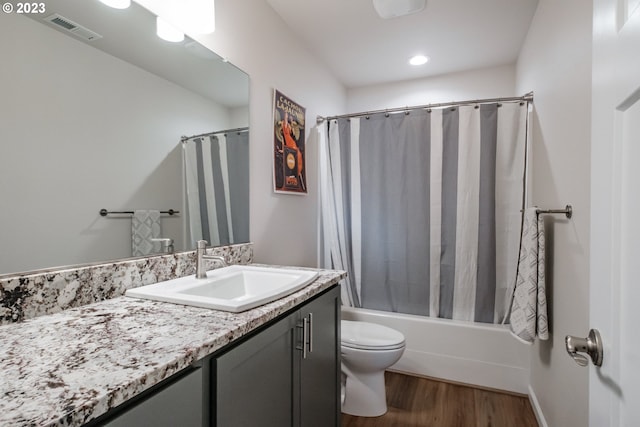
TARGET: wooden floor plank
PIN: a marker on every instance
(422, 402)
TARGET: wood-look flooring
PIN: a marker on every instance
(421, 402)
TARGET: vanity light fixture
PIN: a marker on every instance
(419, 60)
(117, 4)
(168, 32)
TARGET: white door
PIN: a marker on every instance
(615, 213)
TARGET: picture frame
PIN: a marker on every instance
(289, 159)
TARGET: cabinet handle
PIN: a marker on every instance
(310, 332)
(305, 334)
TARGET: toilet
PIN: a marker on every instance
(367, 350)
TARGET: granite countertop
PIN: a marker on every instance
(68, 368)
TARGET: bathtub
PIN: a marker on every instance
(472, 353)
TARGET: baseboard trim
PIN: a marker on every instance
(537, 410)
(461, 383)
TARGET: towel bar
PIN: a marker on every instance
(568, 211)
(104, 212)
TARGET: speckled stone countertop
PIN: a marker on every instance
(68, 368)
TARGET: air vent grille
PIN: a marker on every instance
(69, 26)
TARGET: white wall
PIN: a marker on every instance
(555, 63)
(254, 38)
(80, 131)
(482, 83)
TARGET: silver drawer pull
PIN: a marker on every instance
(310, 332)
(305, 335)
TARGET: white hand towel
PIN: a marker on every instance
(528, 317)
(145, 225)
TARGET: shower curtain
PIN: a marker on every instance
(217, 184)
(422, 208)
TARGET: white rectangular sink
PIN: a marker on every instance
(234, 288)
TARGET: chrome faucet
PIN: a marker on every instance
(201, 271)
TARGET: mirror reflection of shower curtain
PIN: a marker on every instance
(217, 186)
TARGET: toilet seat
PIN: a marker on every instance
(372, 348)
(370, 336)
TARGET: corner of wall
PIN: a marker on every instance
(537, 410)
(555, 63)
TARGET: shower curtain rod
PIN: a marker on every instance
(218, 132)
(525, 98)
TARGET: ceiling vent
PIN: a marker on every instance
(69, 26)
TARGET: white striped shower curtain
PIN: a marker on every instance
(423, 209)
(217, 187)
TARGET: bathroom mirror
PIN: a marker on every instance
(92, 112)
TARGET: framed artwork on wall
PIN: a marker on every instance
(289, 168)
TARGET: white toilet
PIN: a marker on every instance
(367, 350)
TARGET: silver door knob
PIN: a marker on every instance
(591, 345)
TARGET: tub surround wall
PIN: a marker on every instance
(71, 367)
(29, 295)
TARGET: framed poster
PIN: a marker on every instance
(289, 168)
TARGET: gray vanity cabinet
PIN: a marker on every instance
(178, 403)
(255, 381)
(320, 371)
(274, 379)
(287, 374)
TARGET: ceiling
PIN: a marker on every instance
(361, 49)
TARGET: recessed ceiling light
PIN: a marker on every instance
(418, 60)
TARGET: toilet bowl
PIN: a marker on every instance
(367, 350)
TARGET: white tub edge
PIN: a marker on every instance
(471, 353)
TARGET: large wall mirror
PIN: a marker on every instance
(97, 124)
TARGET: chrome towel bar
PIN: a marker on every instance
(568, 211)
(104, 212)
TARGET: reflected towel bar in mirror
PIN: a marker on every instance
(104, 212)
(568, 211)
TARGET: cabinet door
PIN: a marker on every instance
(177, 404)
(255, 381)
(320, 371)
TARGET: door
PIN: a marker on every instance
(255, 382)
(320, 369)
(178, 403)
(614, 388)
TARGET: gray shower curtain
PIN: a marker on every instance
(423, 209)
(217, 175)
